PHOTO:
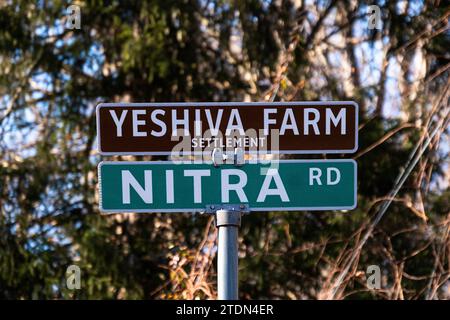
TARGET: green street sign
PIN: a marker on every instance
(166, 186)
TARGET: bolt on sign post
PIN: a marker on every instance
(227, 190)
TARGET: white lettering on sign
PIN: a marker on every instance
(228, 142)
(170, 193)
(159, 123)
(307, 122)
(289, 116)
(227, 186)
(137, 123)
(232, 180)
(267, 120)
(128, 181)
(316, 173)
(178, 119)
(330, 181)
(118, 122)
(182, 121)
(279, 190)
(339, 118)
(234, 116)
(198, 124)
(214, 128)
(311, 118)
(197, 176)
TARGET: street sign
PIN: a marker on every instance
(255, 127)
(166, 186)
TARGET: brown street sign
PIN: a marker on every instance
(255, 127)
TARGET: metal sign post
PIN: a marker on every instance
(228, 222)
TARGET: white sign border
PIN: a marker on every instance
(192, 210)
(226, 104)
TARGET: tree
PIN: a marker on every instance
(52, 77)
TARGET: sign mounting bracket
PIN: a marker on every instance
(213, 208)
(235, 157)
